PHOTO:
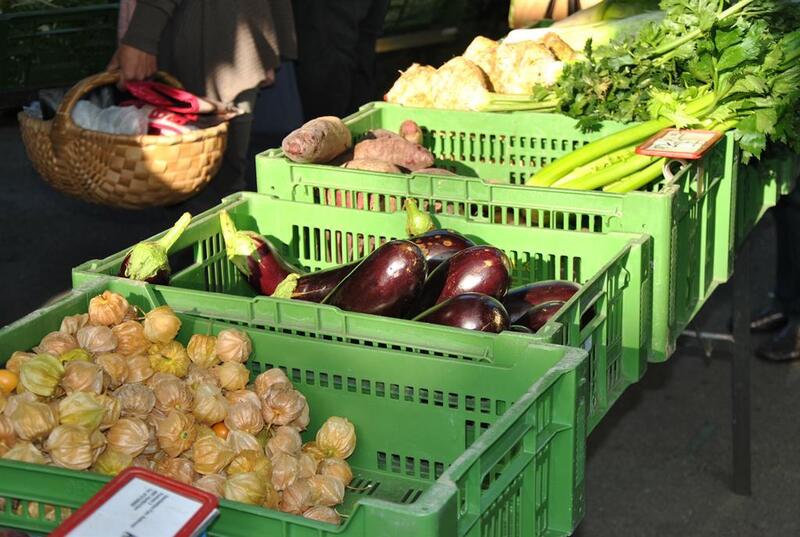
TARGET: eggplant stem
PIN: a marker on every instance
(286, 288)
(417, 222)
(168, 240)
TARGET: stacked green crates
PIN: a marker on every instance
(446, 446)
(691, 218)
(609, 316)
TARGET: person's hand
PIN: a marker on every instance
(269, 79)
(133, 64)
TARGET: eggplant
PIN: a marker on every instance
(537, 316)
(472, 311)
(520, 328)
(439, 245)
(477, 269)
(520, 300)
(387, 282)
(314, 286)
(148, 261)
(255, 257)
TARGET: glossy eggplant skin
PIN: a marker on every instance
(519, 300)
(315, 286)
(471, 311)
(159, 278)
(387, 282)
(537, 317)
(477, 269)
(439, 245)
(520, 328)
(266, 266)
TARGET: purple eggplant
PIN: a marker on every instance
(387, 282)
(520, 328)
(314, 286)
(520, 300)
(537, 316)
(472, 311)
(148, 261)
(439, 245)
(255, 257)
(477, 269)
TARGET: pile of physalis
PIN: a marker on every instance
(111, 390)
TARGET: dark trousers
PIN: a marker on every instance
(787, 222)
(336, 54)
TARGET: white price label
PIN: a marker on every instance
(139, 509)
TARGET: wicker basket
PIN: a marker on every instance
(132, 172)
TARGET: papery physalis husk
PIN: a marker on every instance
(142, 461)
(231, 375)
(323, 514)
(72, 323)
(212, 484)
(312, 449)
(152, 446)
(97, 339)
(169, 358)
(81, 409)
(211, 454)
(337, 468)
(128, 435)
(33, 420)
(205, 430)
(130, 338)
(3, 401)
(286, 440)
(75, 355)
(178, 468)
(302, 421)
(8, 437)
(41, 374)
(108, 309)
(202, 351)
(115, 368)
(337, 438)
(157, 378)
(113, 410)
(307, 466)
(273, 498)
(56, 344)
(268, 379)
(242, 441)
(98, 442)
(176, 433)
(112, 462)
(297, 497)
(135, 400)
(245, 395)
(70, 447)
(25, 452)
(14, 400)
(282, 405)
(233, 345)
(139, 369)
(250, 461)
(80, 376)
(248, 487)
(172, 394)
(209, 405)
(198, 375)
(16, 360)
(285, 468)
(161, 325)
(328, 490)
(244, 416)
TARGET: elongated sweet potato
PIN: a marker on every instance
(318, 141)
(377, 134)
(371, 165)
(411, 131)
(398, 151)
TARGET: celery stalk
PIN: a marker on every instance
(638, 179)
(609, 175)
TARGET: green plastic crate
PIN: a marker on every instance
(690, 219)
(446, 446)
(614, 269)
(55, 47)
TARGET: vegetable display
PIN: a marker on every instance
(436, 276)
(189, 413)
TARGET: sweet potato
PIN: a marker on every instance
(435, 171)
(398, 151)
(378, 134)
(318, 141)
(371, 165)
(411, 131)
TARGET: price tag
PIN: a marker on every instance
(139, 503)
(688, 144)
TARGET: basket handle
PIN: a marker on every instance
(64, 127)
